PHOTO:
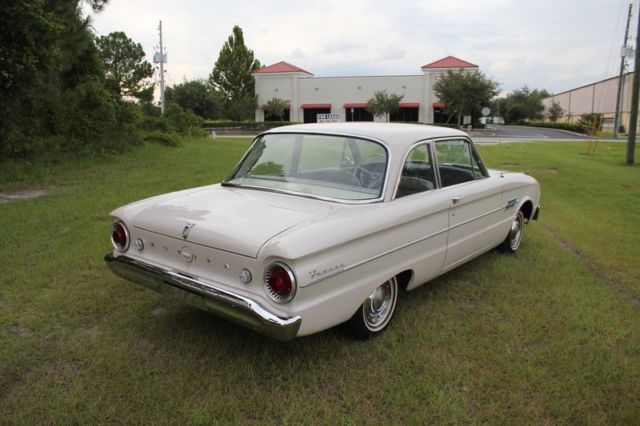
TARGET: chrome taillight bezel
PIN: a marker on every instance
(116, 245)
(273, 295)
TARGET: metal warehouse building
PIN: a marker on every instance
(346, 97)
(598, 97)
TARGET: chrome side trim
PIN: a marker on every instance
(347, 268)
(478, 217)
(372, 258)
(228, 305)
(324, 277)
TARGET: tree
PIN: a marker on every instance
(555, 111)
(231, 76)
(126, 70)
(465, 92)
(196, 96)
(242, 109)
(384, 104)
(525, 104)
(276, 107)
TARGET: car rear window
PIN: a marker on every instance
(323, 166)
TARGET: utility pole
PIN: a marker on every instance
(623, 64)
(161, 58)
(633, 119)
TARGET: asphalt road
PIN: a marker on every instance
(530, 133)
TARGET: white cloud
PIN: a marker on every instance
(546, 44)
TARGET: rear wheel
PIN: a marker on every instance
(513, 241)
(376, 311)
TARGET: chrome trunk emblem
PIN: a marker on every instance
(186, 229)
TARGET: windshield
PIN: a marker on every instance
(335, 167)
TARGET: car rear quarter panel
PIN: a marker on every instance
(342, 258)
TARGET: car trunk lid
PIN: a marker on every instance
(235, 220)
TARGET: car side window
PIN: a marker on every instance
(417, 173)
(457, 162)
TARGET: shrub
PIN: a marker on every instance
(593, 122)
(161, 138)
(572, 127)
(247, 124)
(184, 121)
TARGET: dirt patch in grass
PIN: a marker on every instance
(19, 330)
(8, 196)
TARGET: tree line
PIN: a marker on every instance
(466, 93)
(65, 91)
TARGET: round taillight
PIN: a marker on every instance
(279, 282)
(120, 236)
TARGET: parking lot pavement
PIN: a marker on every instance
(537, 133)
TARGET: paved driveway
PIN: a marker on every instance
(515, 133)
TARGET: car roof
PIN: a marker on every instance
(399, 137)
(394, 134)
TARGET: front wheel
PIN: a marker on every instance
(376, 311)
(513, 241)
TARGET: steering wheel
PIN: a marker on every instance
(369, 178)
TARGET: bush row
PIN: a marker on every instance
(572, 127)
(89, 119)
(247, 124)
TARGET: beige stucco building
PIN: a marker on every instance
(599, 97)
(346, 97)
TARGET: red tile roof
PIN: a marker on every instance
(281, 66)
(450, 62)
(315, 106)
(409, 104)
(355, 105)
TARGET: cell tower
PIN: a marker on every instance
(160, 57)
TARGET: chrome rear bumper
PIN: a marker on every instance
(223, 303)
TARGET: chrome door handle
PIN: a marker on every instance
(457, 198)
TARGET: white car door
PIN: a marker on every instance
(475, 201)
(427, 209)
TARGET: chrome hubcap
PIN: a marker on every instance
(379, 305)
(516, 233)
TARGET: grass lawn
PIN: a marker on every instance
(548, 336)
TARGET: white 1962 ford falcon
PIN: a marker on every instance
(323, 224)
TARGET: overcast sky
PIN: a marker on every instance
(546, 44)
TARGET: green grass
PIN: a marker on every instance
(551, 335)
